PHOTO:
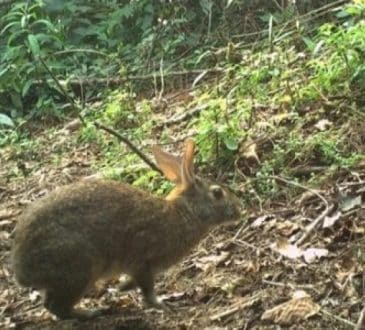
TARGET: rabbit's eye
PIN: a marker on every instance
(217, 192)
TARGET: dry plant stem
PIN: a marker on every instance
(316, 169)
(292, 286)
(162, 80)
(244, 243)
(336, 317)
(360, 325)
(184, 116)
(308, 230)
(129, 144)
(240, 231)
(314, 224)
(227, 312)
(248, 182)
(236, 307)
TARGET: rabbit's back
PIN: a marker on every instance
(73, 229)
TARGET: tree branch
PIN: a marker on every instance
(130, 145)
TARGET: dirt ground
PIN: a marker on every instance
(249, 275)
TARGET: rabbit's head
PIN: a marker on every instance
(206, 201)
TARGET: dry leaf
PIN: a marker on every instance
(300, 294)
(260, 220)
(174, 296)
(248, 266)
(347, 203)
(291, 251)
(323, 125)
(313, 254)
(287, 227)
(299, 308)
(286, 249)
(248, 151)
(330, 221)
(346, 273)
(6, 214)
(206, 263)
(124, 301)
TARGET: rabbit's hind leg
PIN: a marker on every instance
(60, 302)
(145, 281)
(63, 292)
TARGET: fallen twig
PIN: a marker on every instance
(130, 145)
(98, 125)
(336, 317)
(314, 224)
(292, 286)
(316, 221)
(184, 116)
(237, 306)
(360, 325)
(240, 231)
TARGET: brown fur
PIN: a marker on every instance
(96, 229)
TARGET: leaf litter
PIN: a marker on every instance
(251, 276)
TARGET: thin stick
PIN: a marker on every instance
(336, 317)
(236, 307)
(130, 145)
(291, 285)
(162, 80)
(98, 125)
(240, 231)
(360, 325)
(315, 222)
(63, 91)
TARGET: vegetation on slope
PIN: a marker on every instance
(276, 106)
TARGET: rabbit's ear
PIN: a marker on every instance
(187, 168)
(169, 164)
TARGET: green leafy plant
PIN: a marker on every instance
(338, 52)
(6, 120)
(219, 129)
(26, 34)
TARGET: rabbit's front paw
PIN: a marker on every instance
(155, 303)
(87, 314)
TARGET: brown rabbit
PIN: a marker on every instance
(98, 229)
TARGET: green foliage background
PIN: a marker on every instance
(87, 40)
